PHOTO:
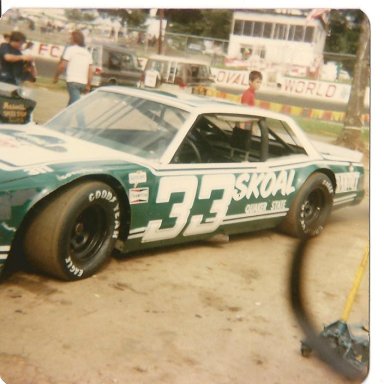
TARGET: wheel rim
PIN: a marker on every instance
(312, 209)
(88, 234)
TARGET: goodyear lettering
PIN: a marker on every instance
(110, 197)
(263, 184)
(329, 186)
(106, 195)
(116, 211)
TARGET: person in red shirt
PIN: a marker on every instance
(248, 96)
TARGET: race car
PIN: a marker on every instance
(125, 169)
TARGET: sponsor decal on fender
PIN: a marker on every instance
(137, 177)
(138, 195)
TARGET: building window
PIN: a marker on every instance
(280, 31)
(247, 31)
(276, 31)
(257, 29)
(299, 33)
(267, 32)
(260, 51)
(291, 32)
(238, 27)
(309, 34)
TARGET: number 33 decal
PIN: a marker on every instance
(181, 211)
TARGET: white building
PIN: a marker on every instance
(277, 37)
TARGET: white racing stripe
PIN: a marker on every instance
(5, 248)
(344, 199)
(233, 219)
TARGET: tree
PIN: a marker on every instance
(343, 34)
(133, 17)
(215, 23)
(351, 133)
(79, 15)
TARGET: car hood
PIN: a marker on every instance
(335, 152)
(30, 145)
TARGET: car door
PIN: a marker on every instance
(220, 179)
(130, 73)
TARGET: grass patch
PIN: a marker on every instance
(47, 82)
(319, 127)
(326, 128)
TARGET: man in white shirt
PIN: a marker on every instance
(77, 62)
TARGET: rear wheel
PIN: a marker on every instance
(311, 207)
(73, 234)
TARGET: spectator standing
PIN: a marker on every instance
(249, 95)
(12, 59)
(30, 70)
(77, 63)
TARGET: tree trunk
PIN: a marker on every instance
(350, 136)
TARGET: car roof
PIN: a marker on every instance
(112, 47)
(184, 60)
(196, 103)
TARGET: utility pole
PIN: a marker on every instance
(350, 136)
(160, 42)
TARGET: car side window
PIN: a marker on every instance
(223, 138)
(127, 62)
(114, 60)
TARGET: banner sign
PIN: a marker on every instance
(288, 86)
(47, 51)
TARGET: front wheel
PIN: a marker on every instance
(74, 233)
(311, 207)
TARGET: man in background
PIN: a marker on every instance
(12, 59)
(77, 63)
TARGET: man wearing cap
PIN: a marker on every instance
(12, 59)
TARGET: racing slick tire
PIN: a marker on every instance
(73, 234)
(310, 208)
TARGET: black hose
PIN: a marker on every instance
(323, 350)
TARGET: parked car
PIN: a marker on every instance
(177, 71)
(130, 169)
(114, 65)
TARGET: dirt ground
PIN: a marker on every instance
(208, 313)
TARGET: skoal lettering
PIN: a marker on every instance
(263, 184)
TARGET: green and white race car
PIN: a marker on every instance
(130, 169)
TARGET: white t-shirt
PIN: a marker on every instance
(79, 60)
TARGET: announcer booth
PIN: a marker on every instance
(284, 37)
(15, 108)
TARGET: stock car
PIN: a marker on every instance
(126, 169)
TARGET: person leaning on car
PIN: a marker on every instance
(77, 62)
(12, 60)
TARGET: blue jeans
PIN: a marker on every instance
(74, 91)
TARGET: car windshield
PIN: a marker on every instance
(124, 122)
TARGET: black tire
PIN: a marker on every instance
(310, 208)
(73, 234)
